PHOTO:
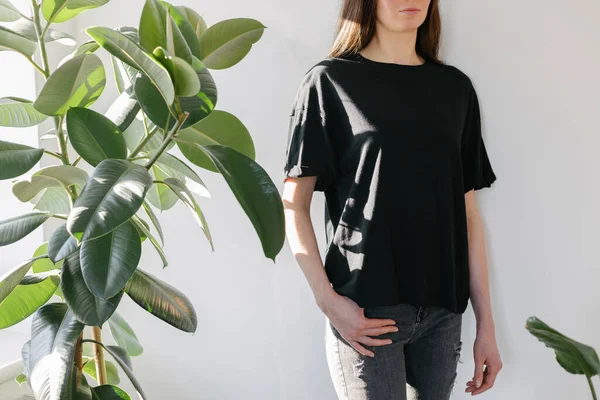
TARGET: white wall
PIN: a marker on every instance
(260, 336)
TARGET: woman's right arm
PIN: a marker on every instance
(347, 317)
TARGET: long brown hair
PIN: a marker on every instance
(356, 27)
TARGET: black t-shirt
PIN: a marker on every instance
(395, 148)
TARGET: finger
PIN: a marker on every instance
(488, 382)
(478, 374)
(380, 331)
(378, 322)
(361, 349)
(375, 342)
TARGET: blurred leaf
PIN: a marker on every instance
(8, 12)
(112, 374)
(183, 75)
(175, 168)
(188, 199)
(33, 292)
(109, 392)
(94, 137)
(60, 176)
(56, 11)
(54, 201)
(61, 244)
(573, 356)
(18, 112)
(77, 83)
(108, 262)
(16, 159)
(89, 309)
(256, 193)
(185, 27)
(24, 27)
(154, 219)
(122, 47)
(123, 111)
(46, 265)
(16, 228)
(113, 194)
(226, 43)
(12, 41)
(220, 127)
(124, 335)
(197, 22)
(54, 332)
(21, 379)
(153, 31)
(124, 74)
(10, 279)
(158, 195)
(162, 300)
(140, 224)
(88, 47)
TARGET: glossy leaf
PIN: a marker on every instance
(10, 279)
(154, 219)
(108, 262)
(188, 199)
(153, 31)
(16, 159)
(256, 193)
(141, 226)
(159, 196)
(33, 292)
(124, 335)
(45, 265)
(113, 194)
(226, 43)
(220, 127)
(89, 309)
(197, 23)
(124, 110)
(12, 41)
(77, 83)
(175, 168)
(124, 74)
(109, 392)
(56, 11)
(60, 176)
(16, 228)
(54, 332)
(184, 76)
(126, 50)
(54, 201)
(112, 374)
(8, 12)
(185, 26)
(26, 28)
(162, 300)
(94, 137)
(61, 244)
(17, 112)
(573, 356)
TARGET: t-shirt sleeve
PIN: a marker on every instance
(477, 169)
(309, 148)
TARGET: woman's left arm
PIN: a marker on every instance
(485, 349)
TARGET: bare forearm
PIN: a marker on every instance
(478, 274)
(301, 237)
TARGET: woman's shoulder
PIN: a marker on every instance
(455, 73)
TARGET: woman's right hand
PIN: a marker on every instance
(350, 321)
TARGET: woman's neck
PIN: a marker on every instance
(393, 47)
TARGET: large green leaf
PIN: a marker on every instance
(145, 231)
(10, 279)
(187, 29)
(120, 357)
(124, 335)
(158, 195)
(61, 244)
(25, 27)
(226, 43)
(77, 83)
(18, 112)
(124, 110)
(16, 228)
(175, 168)
(113, 194)
(8, 12)
(109, 392)
(43, 265)
(33, 292)
(184, 76)
(573, 356)
(54, 201)
(162, 300)
(16, 159)
(108, 262)
(112, 374)
(153, 31)
(220, 127)
(12, 41)
(197, 23)
(126, 50)
(54, 332)
(56, 11)
(60, 176)
(89, 309)
(199, 106)
(188, 199)
(94, 136)
(256, 193)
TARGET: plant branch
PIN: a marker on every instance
(141, 144)
(589, 379)
(79, 359)
(37, 67)
(53, 154)
(167, 140)
(99, 356)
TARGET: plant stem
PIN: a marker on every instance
(53, 154)
(589, 379)
(99, 356)
(141, 145)
(79, 359)
(37, 67)
(167, 140)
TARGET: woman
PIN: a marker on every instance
(392, 136)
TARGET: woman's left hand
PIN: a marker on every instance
(485, 353)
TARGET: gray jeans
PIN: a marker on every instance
(419, 364)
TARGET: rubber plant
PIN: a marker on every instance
(575, 357)
(112, 172)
